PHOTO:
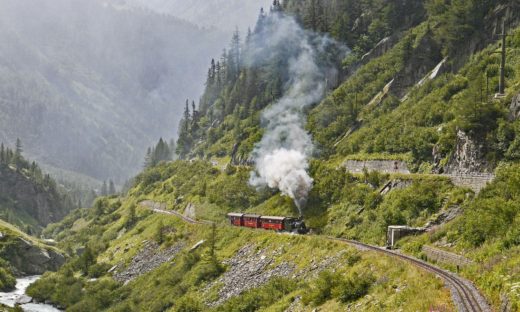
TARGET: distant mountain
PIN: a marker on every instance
(222, 14)
(87, 86)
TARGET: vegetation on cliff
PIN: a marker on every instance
(29, 198)
(386, 103)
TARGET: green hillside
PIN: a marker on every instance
(116, 232)
(323, 82)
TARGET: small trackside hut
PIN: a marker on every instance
(395, 232)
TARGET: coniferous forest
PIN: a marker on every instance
(364, 132)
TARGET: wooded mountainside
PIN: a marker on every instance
(409, 83)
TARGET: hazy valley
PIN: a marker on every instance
(338, 155)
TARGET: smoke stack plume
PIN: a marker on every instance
(282, 156)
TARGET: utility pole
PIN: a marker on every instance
(502, 82)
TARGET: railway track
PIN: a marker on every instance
(466, 296)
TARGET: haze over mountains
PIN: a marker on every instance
(87, 86)
(221, 14)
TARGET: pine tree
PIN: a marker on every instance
(2, 154)
(159, 232)
(234, 56)
(19, 150)
(148, 158)
(187, 115)
(277, 6)
(131, 218)
(111, 188)
(18, 159)
(218, 74)
(104, 189)
(260, 22)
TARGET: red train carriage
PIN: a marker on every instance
(273, 223)
(254, 221)
(251, 220)
(236, 218)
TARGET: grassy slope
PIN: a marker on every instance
(487, 233)
(340, 204)
(434, 112)
(396, 285)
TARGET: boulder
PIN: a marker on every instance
(24, 299)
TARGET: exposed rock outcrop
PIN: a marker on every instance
(147, 259)
(246, 270)
(31, 198)
(514, 108)
(396, 184)
(422, 60)
(28, 258)
(443, 217)
(190, 211)
(250, 268)
(381, 48)
(468, 156)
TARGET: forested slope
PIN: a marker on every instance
(29, 198)
(366, 86)
(86, 86)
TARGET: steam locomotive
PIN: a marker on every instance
(279, 224)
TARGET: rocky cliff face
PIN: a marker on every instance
(468, 156)
(27, 255)
(514, 108)
(423, 59)
(27, 258)
(23, 196)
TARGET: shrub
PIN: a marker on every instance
(322, 289)
(334, 285)
(353, 287)
(189, 304)
(7, 280)
(97, 270)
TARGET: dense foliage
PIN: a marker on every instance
(382, 109)
(29, 198)
(7, 280)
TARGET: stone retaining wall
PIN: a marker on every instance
(386, 166)
(442, 256)
(476, 182)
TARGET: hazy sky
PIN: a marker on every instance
(223, 14)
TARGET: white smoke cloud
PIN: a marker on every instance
(281, 157)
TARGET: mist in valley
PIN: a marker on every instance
(88, 85)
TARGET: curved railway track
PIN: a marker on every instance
(466, 296)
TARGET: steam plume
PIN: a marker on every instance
(281, 157)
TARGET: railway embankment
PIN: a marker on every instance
(243, 277)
